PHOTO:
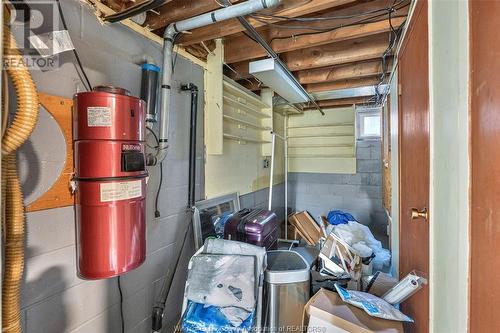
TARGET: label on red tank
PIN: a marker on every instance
(99, 116)
(131, 147)
(121, 190)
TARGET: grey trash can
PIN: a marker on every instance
(287, 291)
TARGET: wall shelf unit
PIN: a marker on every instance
(322, 144)
(241, 117)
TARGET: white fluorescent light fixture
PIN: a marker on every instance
(275, 77)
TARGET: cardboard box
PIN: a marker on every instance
(300, 230)
(326, 312)
(293, 233)
(307, 227)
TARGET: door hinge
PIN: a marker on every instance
(400, 89)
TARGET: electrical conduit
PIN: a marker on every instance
(14, 136)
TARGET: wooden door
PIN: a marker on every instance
(485, 161)
(414, 163)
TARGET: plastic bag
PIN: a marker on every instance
(358, 235)
(200, 318)
(225, 281)
(220, 222)
(336, 217)
(373, 305)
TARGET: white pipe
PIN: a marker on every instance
(286, 178)
(271, 175)
(173, 29)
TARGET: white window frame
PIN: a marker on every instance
(367, 112)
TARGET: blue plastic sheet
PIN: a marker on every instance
(336, 217)
(200, 318)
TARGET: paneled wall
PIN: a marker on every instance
(54, 299)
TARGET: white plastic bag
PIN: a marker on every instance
(358, 236)
(373, 305)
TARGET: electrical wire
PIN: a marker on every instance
(327, 18)
(317, 30)
(121, 305)
(157, 211)
(63, 21)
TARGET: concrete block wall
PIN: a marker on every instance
(54, 299)
(260, 199)
(359, 193)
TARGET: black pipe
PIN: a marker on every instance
(192, 141)
(159, 308)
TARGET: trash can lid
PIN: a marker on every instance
(286, 267)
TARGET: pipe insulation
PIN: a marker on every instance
(241, 9)
(14, 234)
(13, 219)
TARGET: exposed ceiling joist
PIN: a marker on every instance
(350, 92)
(340, 102)
(337, 53)
(347, 25)
(366, 48)
(253, 85)
(343, 84)
(342, 72)
(236, 52)
(292, 8)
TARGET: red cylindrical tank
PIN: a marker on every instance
(110, 171)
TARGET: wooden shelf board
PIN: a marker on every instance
(321, 156)
(321, 136)
(323, 125)
(235, 90)
(246, 123)
(244, 107)
(243, 139)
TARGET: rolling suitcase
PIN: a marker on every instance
(254, 226)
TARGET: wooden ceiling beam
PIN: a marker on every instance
(339, 102)
(343, 84)
(350, 51)
(337, 53)
(342, 72)
(238, 52)
(290, 8)
(240, 47)
(253, 85)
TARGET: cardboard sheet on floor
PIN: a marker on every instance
(326, 312)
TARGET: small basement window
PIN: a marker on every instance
(368, 124)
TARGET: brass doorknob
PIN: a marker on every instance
(417, 214)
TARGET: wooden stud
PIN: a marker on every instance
(214, 101)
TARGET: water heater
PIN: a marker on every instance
(110, 173)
